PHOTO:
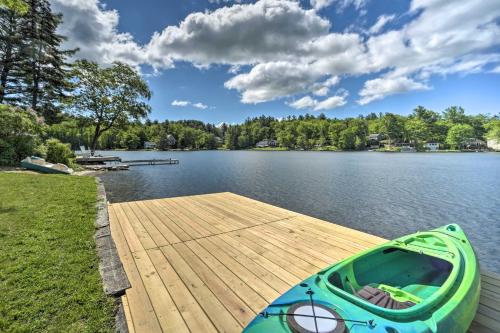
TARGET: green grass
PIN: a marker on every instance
(49, 278)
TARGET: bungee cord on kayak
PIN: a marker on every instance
(312, 306)
(266, 314)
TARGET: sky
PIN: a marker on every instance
(227, 60)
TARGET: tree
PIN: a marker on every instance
(455, 115)
(11, 44)
(392, 127)
(285, 138)
(493, 128)
(426, 115)
(347, 140)
(18, 6)
(243, 140)
(45, 72)
(417, 130)
(109, 97)
(458, 135)
(231, 137)
(130, 140)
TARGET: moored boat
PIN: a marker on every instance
(39, 164)
(423, 282)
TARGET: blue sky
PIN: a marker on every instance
(224, 61)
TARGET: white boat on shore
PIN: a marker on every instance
(39, 164)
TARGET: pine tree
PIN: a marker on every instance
(44, 63)
(11, 45)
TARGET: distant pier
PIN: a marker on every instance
(85, 160)
(151, 162)
(116, 163)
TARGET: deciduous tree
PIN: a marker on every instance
(458, 135)
(109, 97)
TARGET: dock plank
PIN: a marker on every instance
(233, 303)
(257, 284)
(141, 311)
(210, 263)
(162, 228)
(278, 283)
(167, 313)
(191, 311)
(218, 314)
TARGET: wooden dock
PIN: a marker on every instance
(85, 160)
(106, 167)
(210, 263)
(152, 162)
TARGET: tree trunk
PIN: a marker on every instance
(6, 62)
(97, 134)
(35, 87)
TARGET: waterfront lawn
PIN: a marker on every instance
(49, 278)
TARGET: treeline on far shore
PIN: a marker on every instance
(451, 128)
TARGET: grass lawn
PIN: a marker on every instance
(49, 278)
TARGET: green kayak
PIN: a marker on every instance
(424, 282)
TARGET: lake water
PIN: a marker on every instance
(380, 193)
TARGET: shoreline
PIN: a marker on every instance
(299, 150)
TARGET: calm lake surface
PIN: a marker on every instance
(380, 193)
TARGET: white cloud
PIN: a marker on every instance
(379, 88)
(331, 103)
(433, 43)
(319, 4)
(321, 91)
(307, 102)
(340, 4)
(291, 50)
(93, 29)
(381, 22)
(225, 1)
(182, 103)
(323, 88)
(496, 70)
(269, 81)
(200, 106)
(268, 30)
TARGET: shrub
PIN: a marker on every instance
(7, 153)
(58, 152)
(20, 134)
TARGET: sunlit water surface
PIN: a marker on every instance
(381, 193)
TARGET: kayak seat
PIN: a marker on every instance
(382, 298)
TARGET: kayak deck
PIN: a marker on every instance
(210, 263)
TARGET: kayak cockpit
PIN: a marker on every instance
(405, 277)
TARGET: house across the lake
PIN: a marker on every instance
(266, 143)
(432, 146)
(493, 144)
(374, 140)
(171, 140)
(149, 145)
(475, 144)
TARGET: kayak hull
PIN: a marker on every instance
(442, 305)
(40, 165)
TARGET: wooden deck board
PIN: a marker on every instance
(210, 263)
